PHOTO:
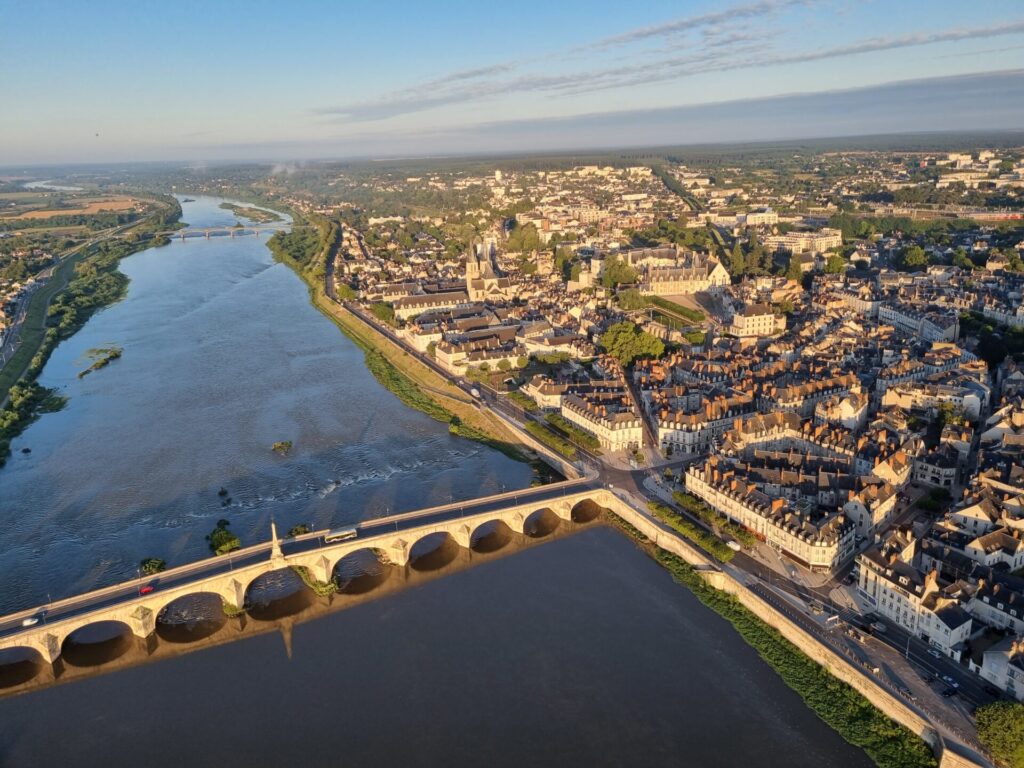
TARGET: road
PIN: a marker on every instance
(12, 337)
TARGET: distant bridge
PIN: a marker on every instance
(189, 233)
(534, 512)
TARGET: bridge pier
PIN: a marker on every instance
(463, 536)
(563, 510)
(142, 622)
(398, 553)
(48, 647)
(516, 521)
(233, 593)
(323, 569)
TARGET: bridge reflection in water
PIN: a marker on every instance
(277, 601)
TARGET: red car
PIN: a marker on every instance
(146, 589)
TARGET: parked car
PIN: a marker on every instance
(950, 681)
(879, 627)
(145, 590)
(935, 653)
(949, 692)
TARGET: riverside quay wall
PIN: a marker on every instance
(733, 582)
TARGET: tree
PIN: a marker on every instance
(152, 565)
(794, 271)
(631, 298)
(786, 307)
(222, 540)
(617, 272)
(962, 260)
(835, 264)
(626, 342)
(297, 530)
(913, 259)
(383, 312)
(1001, 730)
(522, 362)
(523, 239)
(737, 264)
(504, 365)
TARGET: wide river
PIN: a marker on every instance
(223, 357)
(578, 651)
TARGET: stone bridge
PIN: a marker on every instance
(403, 547)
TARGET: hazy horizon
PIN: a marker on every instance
(120, 83)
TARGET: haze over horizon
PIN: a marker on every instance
(259, 81)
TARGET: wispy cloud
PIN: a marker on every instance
(724, 46)
(729, 15)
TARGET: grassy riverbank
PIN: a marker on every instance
(845, 710)
(416, 385)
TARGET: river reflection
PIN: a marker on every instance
(223, 356)
(581, 651)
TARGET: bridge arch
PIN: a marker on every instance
(190, 617)
(19, 665)
(433, 551)
(541, 523)
(490, 536)
(277, 594)
(361, 571)
(96, 643)
(586, 511)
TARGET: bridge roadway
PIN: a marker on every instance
(230, 575)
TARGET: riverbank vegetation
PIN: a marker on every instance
(843, 708)
(259, 215)
(1001, 730)
(25, 403)
(151, 566)
(101, 359)
(222, 540)
(321, 588)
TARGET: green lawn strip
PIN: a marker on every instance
(713, 546)
(551, 440)
(701, 510)
(577, 434)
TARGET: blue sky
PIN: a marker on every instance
(104, 80)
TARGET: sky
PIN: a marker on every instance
(185, 80)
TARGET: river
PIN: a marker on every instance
(223, 356)
(581, 651)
